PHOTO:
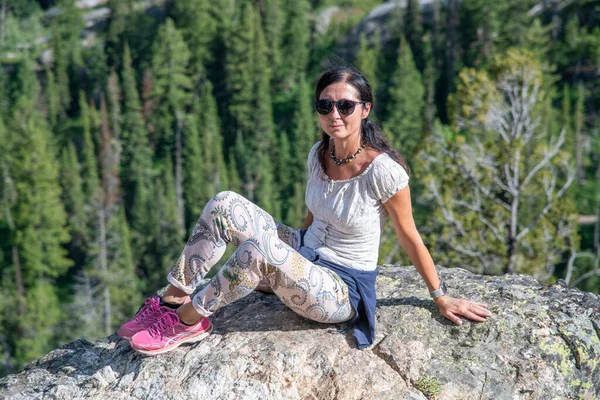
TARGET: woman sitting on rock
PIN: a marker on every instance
(325, 271)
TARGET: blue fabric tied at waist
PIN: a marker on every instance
(361, 288)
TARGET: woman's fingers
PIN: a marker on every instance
(475, 317)
(453, 317)
(454, 308)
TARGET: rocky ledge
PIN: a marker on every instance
(543, 342)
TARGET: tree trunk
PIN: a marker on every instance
(512, 237)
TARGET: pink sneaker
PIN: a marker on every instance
(168, 333)
(147, 315)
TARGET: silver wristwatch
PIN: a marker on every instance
(440, 292)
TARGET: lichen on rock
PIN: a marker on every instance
(542, 342)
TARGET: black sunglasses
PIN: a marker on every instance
(345, 107)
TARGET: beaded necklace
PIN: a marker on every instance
(344, 160)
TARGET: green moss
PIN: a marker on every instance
(429, 386)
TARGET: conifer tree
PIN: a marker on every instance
(113, 97)
(122, 280)
(170, 84)
(52, 98)
(479, 21)
(211, 140)
(405, 121)
(195, 187)
(538, 40)
(413, 28)
(73, 197)
(136, 162)
(117, 25)
(65, 29)
(273, 22)
(262, 134)
(96, 70)
(305, 131)
(367, 60)
(168, 239)
(285, 180)
(295, 41)
(5, 100)
(429, 79)
(511, 24)
(239, 72)
(89, 163)
(235, 183)
(579, 127)
(436, 35)
(198, 26)
(25, 84)
(110, 156)
(172, 87)
(143, 229)
(451, 55)
(225, 16)
(250, 107)
(39, 230)
(61, 67)
(111, 196)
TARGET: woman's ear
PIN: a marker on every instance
(366, 109)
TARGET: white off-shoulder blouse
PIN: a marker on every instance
(349, 214)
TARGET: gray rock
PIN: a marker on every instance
(323, 19)
(541, 343)
(384, 19)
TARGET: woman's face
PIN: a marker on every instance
(339, 126)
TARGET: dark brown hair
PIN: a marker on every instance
(371, 132)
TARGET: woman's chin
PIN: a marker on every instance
(337, 133)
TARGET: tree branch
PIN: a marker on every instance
(550, 201)
(546, 158)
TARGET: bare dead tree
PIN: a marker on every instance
(505, 161)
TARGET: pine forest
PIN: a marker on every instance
(120, 119)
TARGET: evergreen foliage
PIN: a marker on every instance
(37, 232)
(294, 41)
(366, 60)
(112, 142)
(404, 121)
(196, 22)
(136, 161)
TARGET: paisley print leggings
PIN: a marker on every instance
(265, 249)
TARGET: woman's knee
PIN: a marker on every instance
(225, 194)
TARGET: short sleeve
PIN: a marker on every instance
(389, 178)
(311, 163)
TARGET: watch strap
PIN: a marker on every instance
(439, 292)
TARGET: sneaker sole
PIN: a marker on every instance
(126, 337)
(175, 345)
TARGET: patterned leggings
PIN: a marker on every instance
(265, 249)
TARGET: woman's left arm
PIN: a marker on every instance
(399, 208)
